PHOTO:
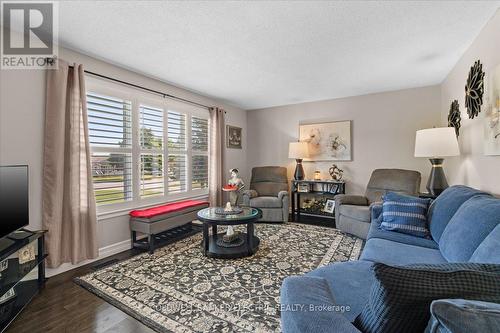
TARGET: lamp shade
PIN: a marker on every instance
(298, 150)
(436, 142)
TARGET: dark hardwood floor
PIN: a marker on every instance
(63, 306)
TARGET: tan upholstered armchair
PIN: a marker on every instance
(269, 192)
(352, 212)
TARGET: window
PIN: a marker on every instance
(145, 149)
(110, 134)
(177, 152)
(151, 143)
(199, 146)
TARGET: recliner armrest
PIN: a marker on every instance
(250, 193)
(283, 195)
(347, 199)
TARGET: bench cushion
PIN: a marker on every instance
(168, 208)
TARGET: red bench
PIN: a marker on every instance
(154, 220)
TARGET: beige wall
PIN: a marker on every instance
(473, 168)
(383, 134)
(22, 103)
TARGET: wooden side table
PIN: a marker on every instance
(317, 188)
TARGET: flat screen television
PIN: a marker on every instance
(14, 201)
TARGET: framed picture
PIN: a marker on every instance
(329, 206)
(334, 189)
(303, 188)
(329, 141)
(233, 137)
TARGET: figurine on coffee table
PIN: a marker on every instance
(234, 186)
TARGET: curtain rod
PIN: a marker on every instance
(144, 88)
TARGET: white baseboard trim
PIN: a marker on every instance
(104, 252)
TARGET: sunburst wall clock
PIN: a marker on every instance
(474, 90)
(454, 117)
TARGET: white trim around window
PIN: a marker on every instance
(156, 166)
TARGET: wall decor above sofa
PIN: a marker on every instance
(474, 90)
(454, 117)
(492, 115)
(328, 141)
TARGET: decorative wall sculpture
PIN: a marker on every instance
(474, 90)
(454, 117)
(492, 115)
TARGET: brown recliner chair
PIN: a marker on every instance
(352, 212)
(269, 192)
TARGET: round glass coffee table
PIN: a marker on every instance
(245, 245)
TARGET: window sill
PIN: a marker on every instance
(124, 211)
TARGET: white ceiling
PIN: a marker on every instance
(260, 54)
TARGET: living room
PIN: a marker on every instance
(220, 166)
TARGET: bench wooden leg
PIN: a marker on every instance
(133, 238)
(151, 241)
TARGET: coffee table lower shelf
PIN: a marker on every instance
(220, 252)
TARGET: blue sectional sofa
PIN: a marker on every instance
(465, 227)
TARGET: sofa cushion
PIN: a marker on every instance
(489, 249)
(401, 296)
(266, 202)
(446, 205)
(360, 213)
(470, 225)
(350, 283)
(308, 306)
(395, 253)
(463, 316)
(404, 213)
(375, 232)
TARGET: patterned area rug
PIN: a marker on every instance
(177, 289)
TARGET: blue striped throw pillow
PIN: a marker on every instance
(405, 214)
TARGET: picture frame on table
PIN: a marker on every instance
(334, 189)
(303, 188)
(329, 206)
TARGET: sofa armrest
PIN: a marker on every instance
(307, 305)
(376, 211)
(347, 199)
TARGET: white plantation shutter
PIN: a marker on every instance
(199, 154)
(110, 121)
(152, 181)
(177, 152)
(145, 149)
(110, 134)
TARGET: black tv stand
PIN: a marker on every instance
(5, 243)
(20, 234)
(19, 283)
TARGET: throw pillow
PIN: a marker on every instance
(406, 214)
(401, 295)
(463, 316)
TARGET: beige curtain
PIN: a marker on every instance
(68, 204)
(216, 168)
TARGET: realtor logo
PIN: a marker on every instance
(28, 35)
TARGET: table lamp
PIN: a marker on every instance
(298, 151)
(436, 143)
